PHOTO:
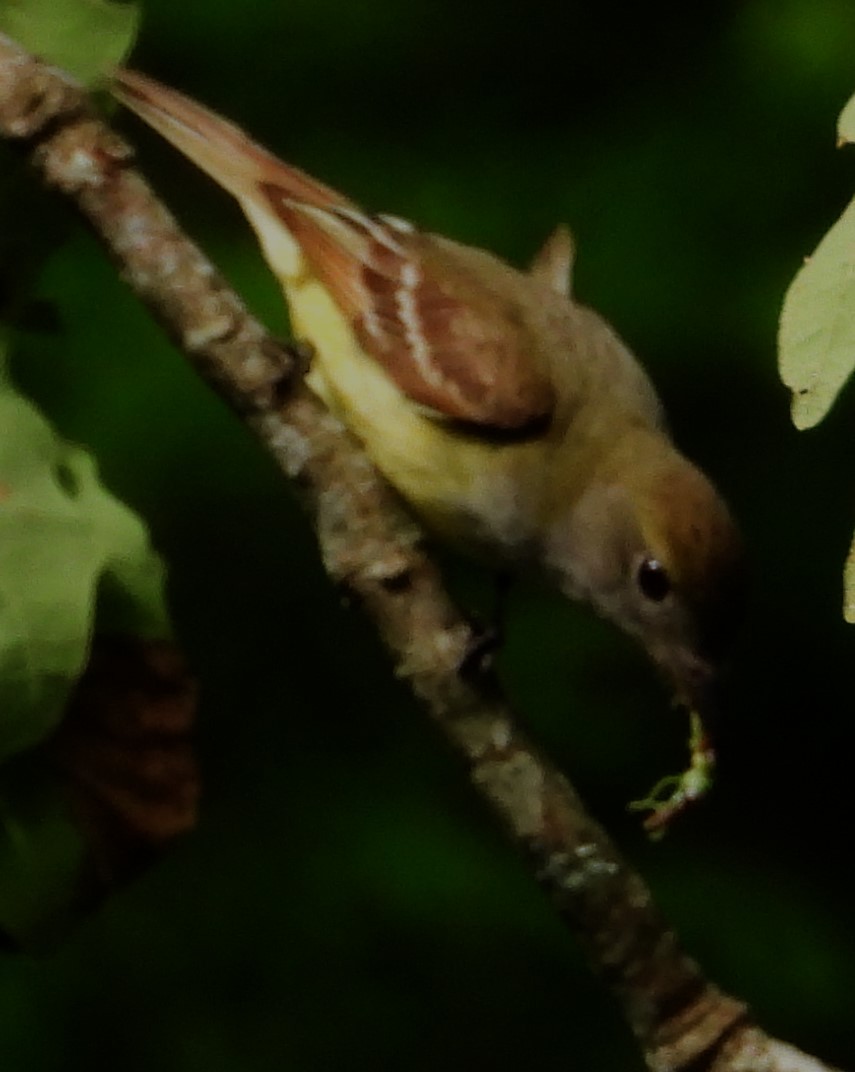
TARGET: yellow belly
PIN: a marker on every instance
(479, 495)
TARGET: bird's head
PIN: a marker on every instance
(652, 546)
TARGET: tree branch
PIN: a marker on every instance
(371, 547)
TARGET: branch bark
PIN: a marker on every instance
(370, 547)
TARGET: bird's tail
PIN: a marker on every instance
(217, 146)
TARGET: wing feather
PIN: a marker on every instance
(448, 340)
(467, 356)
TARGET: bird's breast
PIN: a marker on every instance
(480, 495)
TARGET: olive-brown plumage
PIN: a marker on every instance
(513, 420)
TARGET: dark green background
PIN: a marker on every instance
(346, 903)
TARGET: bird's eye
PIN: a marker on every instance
(653, 580)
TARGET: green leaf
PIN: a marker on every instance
(846, 124)
(849, 586)
(42, 855)
(87, 38)
(816, 338)
(64, 540)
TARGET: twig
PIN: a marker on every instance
(371, 547)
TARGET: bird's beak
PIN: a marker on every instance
(695, 684)
(695, 681)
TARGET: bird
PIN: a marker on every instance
(511, 418)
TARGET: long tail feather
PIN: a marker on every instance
(217, 146)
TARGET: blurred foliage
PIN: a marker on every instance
(62, 537)
(816, 336)
(817, 333)
(846, 124)
(43, 855)
(66, 546)
(84, 37)
(343, 874)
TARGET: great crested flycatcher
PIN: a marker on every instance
(511, 418)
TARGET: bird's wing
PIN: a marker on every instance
(443, 335)
(440, 333)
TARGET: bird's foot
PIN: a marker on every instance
(303, 353)
(293, 363)
(487, 639)
(484, 642)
